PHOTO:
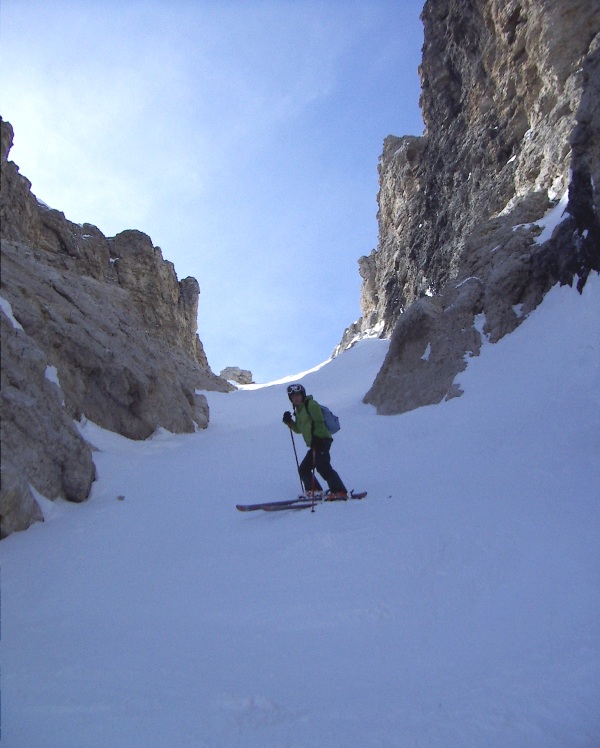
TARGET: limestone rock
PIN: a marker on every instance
(430, 344)
(510, 99)
(235, 374)
(18, 509)
(38, 436)
(201, 411)
(91, 326)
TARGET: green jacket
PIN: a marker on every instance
(309, 421)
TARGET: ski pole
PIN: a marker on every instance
(314, 451)
(297, 463)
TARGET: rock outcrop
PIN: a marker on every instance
(91, 327)
(237, 375)
(497, 201)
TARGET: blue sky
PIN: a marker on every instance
(243, 137)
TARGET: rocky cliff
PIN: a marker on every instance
(91, 327)
(511, 147)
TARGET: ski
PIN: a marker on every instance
(287, 507)
(301, 502)
(285, 503)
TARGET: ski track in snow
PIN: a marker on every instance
(457, 605)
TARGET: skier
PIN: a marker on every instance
(309, 422)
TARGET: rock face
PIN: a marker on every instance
(511, 105)
(235, 374)
(91, 327)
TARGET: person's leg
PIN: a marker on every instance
(323, 465)
(306, 473)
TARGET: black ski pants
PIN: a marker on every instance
(322, 463)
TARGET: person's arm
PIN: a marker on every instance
(290, 422)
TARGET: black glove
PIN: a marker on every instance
(287, 417)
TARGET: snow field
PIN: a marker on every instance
(457, 605)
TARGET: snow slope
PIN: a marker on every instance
(457, 605)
